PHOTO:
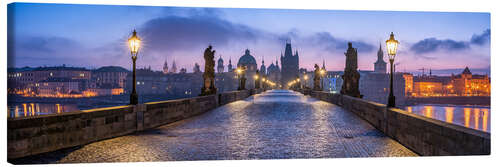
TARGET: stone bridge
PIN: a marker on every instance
(276, 124)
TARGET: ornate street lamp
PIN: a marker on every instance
(305, 80)
(241, 77)
(256, 80)
(392, 46)
(134, 44)
(264, 80)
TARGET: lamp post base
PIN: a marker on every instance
(392, 101)
(134, 99)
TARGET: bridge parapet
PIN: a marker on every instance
(46, 133)
(425, 136)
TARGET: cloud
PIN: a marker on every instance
(481, 38)
(432, 44)
(333, 44)
(45, 44)
(429, 45)
(176, 33)
(43, 49)
(291, 35)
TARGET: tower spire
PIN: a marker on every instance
(323, 64)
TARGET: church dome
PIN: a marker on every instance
(220, 61)
(247, 60)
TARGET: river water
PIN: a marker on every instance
(475, 117)
(33, 109)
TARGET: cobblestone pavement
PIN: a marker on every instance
(277, 124)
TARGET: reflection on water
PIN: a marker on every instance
(475, 117)
(33, 109)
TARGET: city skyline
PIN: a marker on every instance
(95, 35)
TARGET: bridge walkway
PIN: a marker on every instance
(277, 124)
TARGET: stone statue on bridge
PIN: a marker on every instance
(317, 78)
(350, 86)
(209, 73)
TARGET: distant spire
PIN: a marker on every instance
(174, 67)
(165, 67)
(466, 71)
(323, 64)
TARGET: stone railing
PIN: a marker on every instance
(425, 136)
(39, 134)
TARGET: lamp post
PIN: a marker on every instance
(264, 81)
(299, 85)
(305, 80)
(238, 72)
(134, 44)
(322, 74)
(392, 46)
(256, 79)
(241, 77)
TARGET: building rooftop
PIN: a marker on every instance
(111, 69)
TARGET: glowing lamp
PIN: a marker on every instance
(392, 46)
(134, 43)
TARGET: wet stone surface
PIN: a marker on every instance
(277, 124)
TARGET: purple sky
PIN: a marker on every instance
(95, 36)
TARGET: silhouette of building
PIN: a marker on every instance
(247, 61)
(227, 81)
(375, 86)
(53, 87)
(468, 84)
(196, 68)
(323, 67)
(165, 67)
(220, 65)
(274, 72)
(464, 84)
(174, 68)
(183, 71)
(109, 77)
(289, 65)
(230, 66)
(151, 82)
(25, 80)
(380, 66)
(262, 70)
